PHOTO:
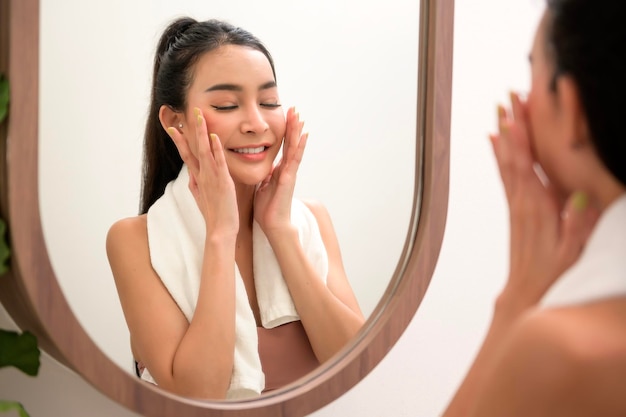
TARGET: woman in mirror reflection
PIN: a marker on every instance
(230, 285)
(557, 341)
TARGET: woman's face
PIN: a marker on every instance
(235, 89)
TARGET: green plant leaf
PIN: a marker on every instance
(20, 351)
(4, 97)
(5, 251)
(13, 405)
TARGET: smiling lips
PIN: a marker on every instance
(250, 150)
(251, 154)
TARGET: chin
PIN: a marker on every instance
(250, 179)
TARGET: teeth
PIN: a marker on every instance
(250, 150)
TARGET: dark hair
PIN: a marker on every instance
(182, 43)
(586, 39)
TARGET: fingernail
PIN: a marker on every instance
(512, 96)
(171, 131)
(199, 120)
(196, 111)
(580, 201)
(213, 136)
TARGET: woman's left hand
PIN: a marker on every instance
(272, 203)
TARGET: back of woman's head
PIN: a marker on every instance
(587, 40)
(181, 45)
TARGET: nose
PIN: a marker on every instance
(254, 122)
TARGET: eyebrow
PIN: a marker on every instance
(235, 87)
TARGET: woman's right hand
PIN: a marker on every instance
(209, 179)
(547, 234)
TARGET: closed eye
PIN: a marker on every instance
(271, 105)
(224, 108)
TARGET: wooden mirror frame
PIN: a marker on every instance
(32, 296)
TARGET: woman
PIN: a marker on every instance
(229, 286)
(557, 342)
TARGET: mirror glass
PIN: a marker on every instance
(349, 67)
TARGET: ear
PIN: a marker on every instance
(573, 116)
(170, 118)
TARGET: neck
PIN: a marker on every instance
(608, 190)
(591, 176)
(245, 204)
(609, 196)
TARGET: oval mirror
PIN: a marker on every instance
(36, 297)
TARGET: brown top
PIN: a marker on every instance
(285, 353)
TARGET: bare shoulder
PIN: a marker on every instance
(127, 240)
(582, 336)
(318, 209)
(325, 225)
(566, 361)
(126, 231)
(128, 226)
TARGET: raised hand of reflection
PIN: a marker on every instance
(547, 234)
(209, 179)
(272, 202)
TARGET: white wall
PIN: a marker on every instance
(417, 378)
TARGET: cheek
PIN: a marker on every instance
(538, 123)
(277, 125)
(541, 119)
(532, 121)
(215, 125)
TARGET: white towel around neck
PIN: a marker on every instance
(600, 272)
(176, 238)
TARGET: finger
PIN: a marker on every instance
(513, 129)
(295, 130)
(521, 129)
(519, 108)
(291, 166)
(502, 152)
(502, 117)
(277, 168)
(209, 145)
(300, 149)
(516, 109)
(288, 125)
(183, 149)
(193, 185)
(218, 151)
(516, 166)
(205, 153)
(295, 139)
